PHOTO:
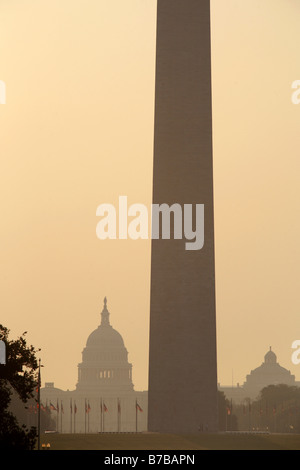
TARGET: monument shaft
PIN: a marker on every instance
(182, 357)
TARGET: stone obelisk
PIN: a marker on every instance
(182, 356)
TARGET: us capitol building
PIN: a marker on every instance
(104, 399)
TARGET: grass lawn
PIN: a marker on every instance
(156, 441)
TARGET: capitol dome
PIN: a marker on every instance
(105, 365)
(105, 336)
(270, 357)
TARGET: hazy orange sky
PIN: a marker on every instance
(77, 131)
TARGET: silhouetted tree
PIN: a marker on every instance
(18, 378)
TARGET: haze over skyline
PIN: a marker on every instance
(77, 131)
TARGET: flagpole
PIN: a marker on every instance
(250, 409)
(39, 406)
(88, 416)
(57, 416)
(61, 408)
(101, 415)
(118, 409)
(85, 415)
(75, 411)
(71, 410)
(103, 418)
(136, 416)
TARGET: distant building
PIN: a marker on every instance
(268, 373)
(104, 399)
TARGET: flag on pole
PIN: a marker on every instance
(105, 407)
(61, 407)
(57, 406)
(138, 407)
(75, 411)
(119, 416)
(52, 407)
(38, 384)
(87, 407)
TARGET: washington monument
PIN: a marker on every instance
(182, 362)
